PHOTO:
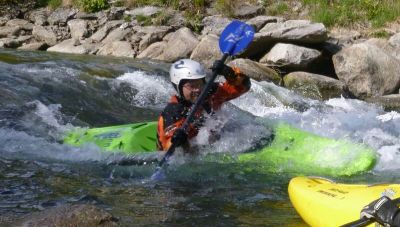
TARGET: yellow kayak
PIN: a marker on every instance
(321, 202)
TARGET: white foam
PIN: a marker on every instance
(153, 90)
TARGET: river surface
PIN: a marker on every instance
(44, 95)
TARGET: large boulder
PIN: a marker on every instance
(367, 70)
(214, 24)
(180, 45)
(143, 11)
(38, 16)
(259, 22)
(22, 24)
(149, 34)
(313, 85)
(154, 51)
(34, 46)
(43, 34)
(78, 28)
(117, 34)
(291, 31)
(67, 215)
(389, 47)
(118, 49)
(61, 15)
(14, 42)
(7, 31)
(103, 31)
(247, 10)
(207, 51)
(256, 70)
(73, 46)
(290, 56)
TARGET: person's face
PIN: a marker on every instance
(192, 89)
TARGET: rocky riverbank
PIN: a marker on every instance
(298, 54)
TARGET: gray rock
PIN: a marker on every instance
(117, 48)
(290, 56)
(103, 31)
(246, 10)
(214, 24)
(150, 34)
(260, 21)
(71, 46)
(389, 102)
(14, 42)
(256, 70)
(395, 40)
(3, 20)
(314, 86)
(180, 45)
(154, 51)
(297, 31)
(367, 70)
(61, 15)
(78, 28)
(9, 31)
(390, 47)
(43, 34)
(75, 215)
(38, 16)
(116, 13)
(177, 20)
(207, 51)
(117, 34)
(144, 11)
(34, 46)
(23, 24)
(87, 16)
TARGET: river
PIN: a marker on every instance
(44, 95)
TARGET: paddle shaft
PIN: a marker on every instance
(194, 109)
(359, 223)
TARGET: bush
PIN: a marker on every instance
(93, 5)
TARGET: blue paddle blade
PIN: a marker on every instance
(159, 175)
(235, 37)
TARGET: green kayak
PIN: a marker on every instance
(291, 149)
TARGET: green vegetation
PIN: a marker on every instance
(373, 13)
(92, 5)
(278, 8)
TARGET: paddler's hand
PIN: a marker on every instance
(383, 211)
(179, 138)
(221, 69)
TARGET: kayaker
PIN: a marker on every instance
(188, 78)
(384, 211)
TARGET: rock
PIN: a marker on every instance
(207, 51)
(78, 28)
(34, 46)
(344, 36)
(38, 16)
(14, 42)
(43, 34)
(67, 215)
(177, 20)
(103, 32)
(297, 31)
(117, 48)
(150, 34)
(367, 70)
(9, 31)
(389, 102)
(395, 40)
(385, 46)
(260, 21)
(290, 56)
(154, 51)
(246, 10)
(144, 11)
(180, 45)
(256, 70)
(116, 13)
(71, 46)
(23, 24)
(3, 20)
(214, 24)
(117, 34)
(87, 16)
(314, 86)
(61, 15)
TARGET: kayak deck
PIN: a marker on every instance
(321, 202)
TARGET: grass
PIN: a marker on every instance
(370, 13)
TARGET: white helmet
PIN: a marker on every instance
(185, 69)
